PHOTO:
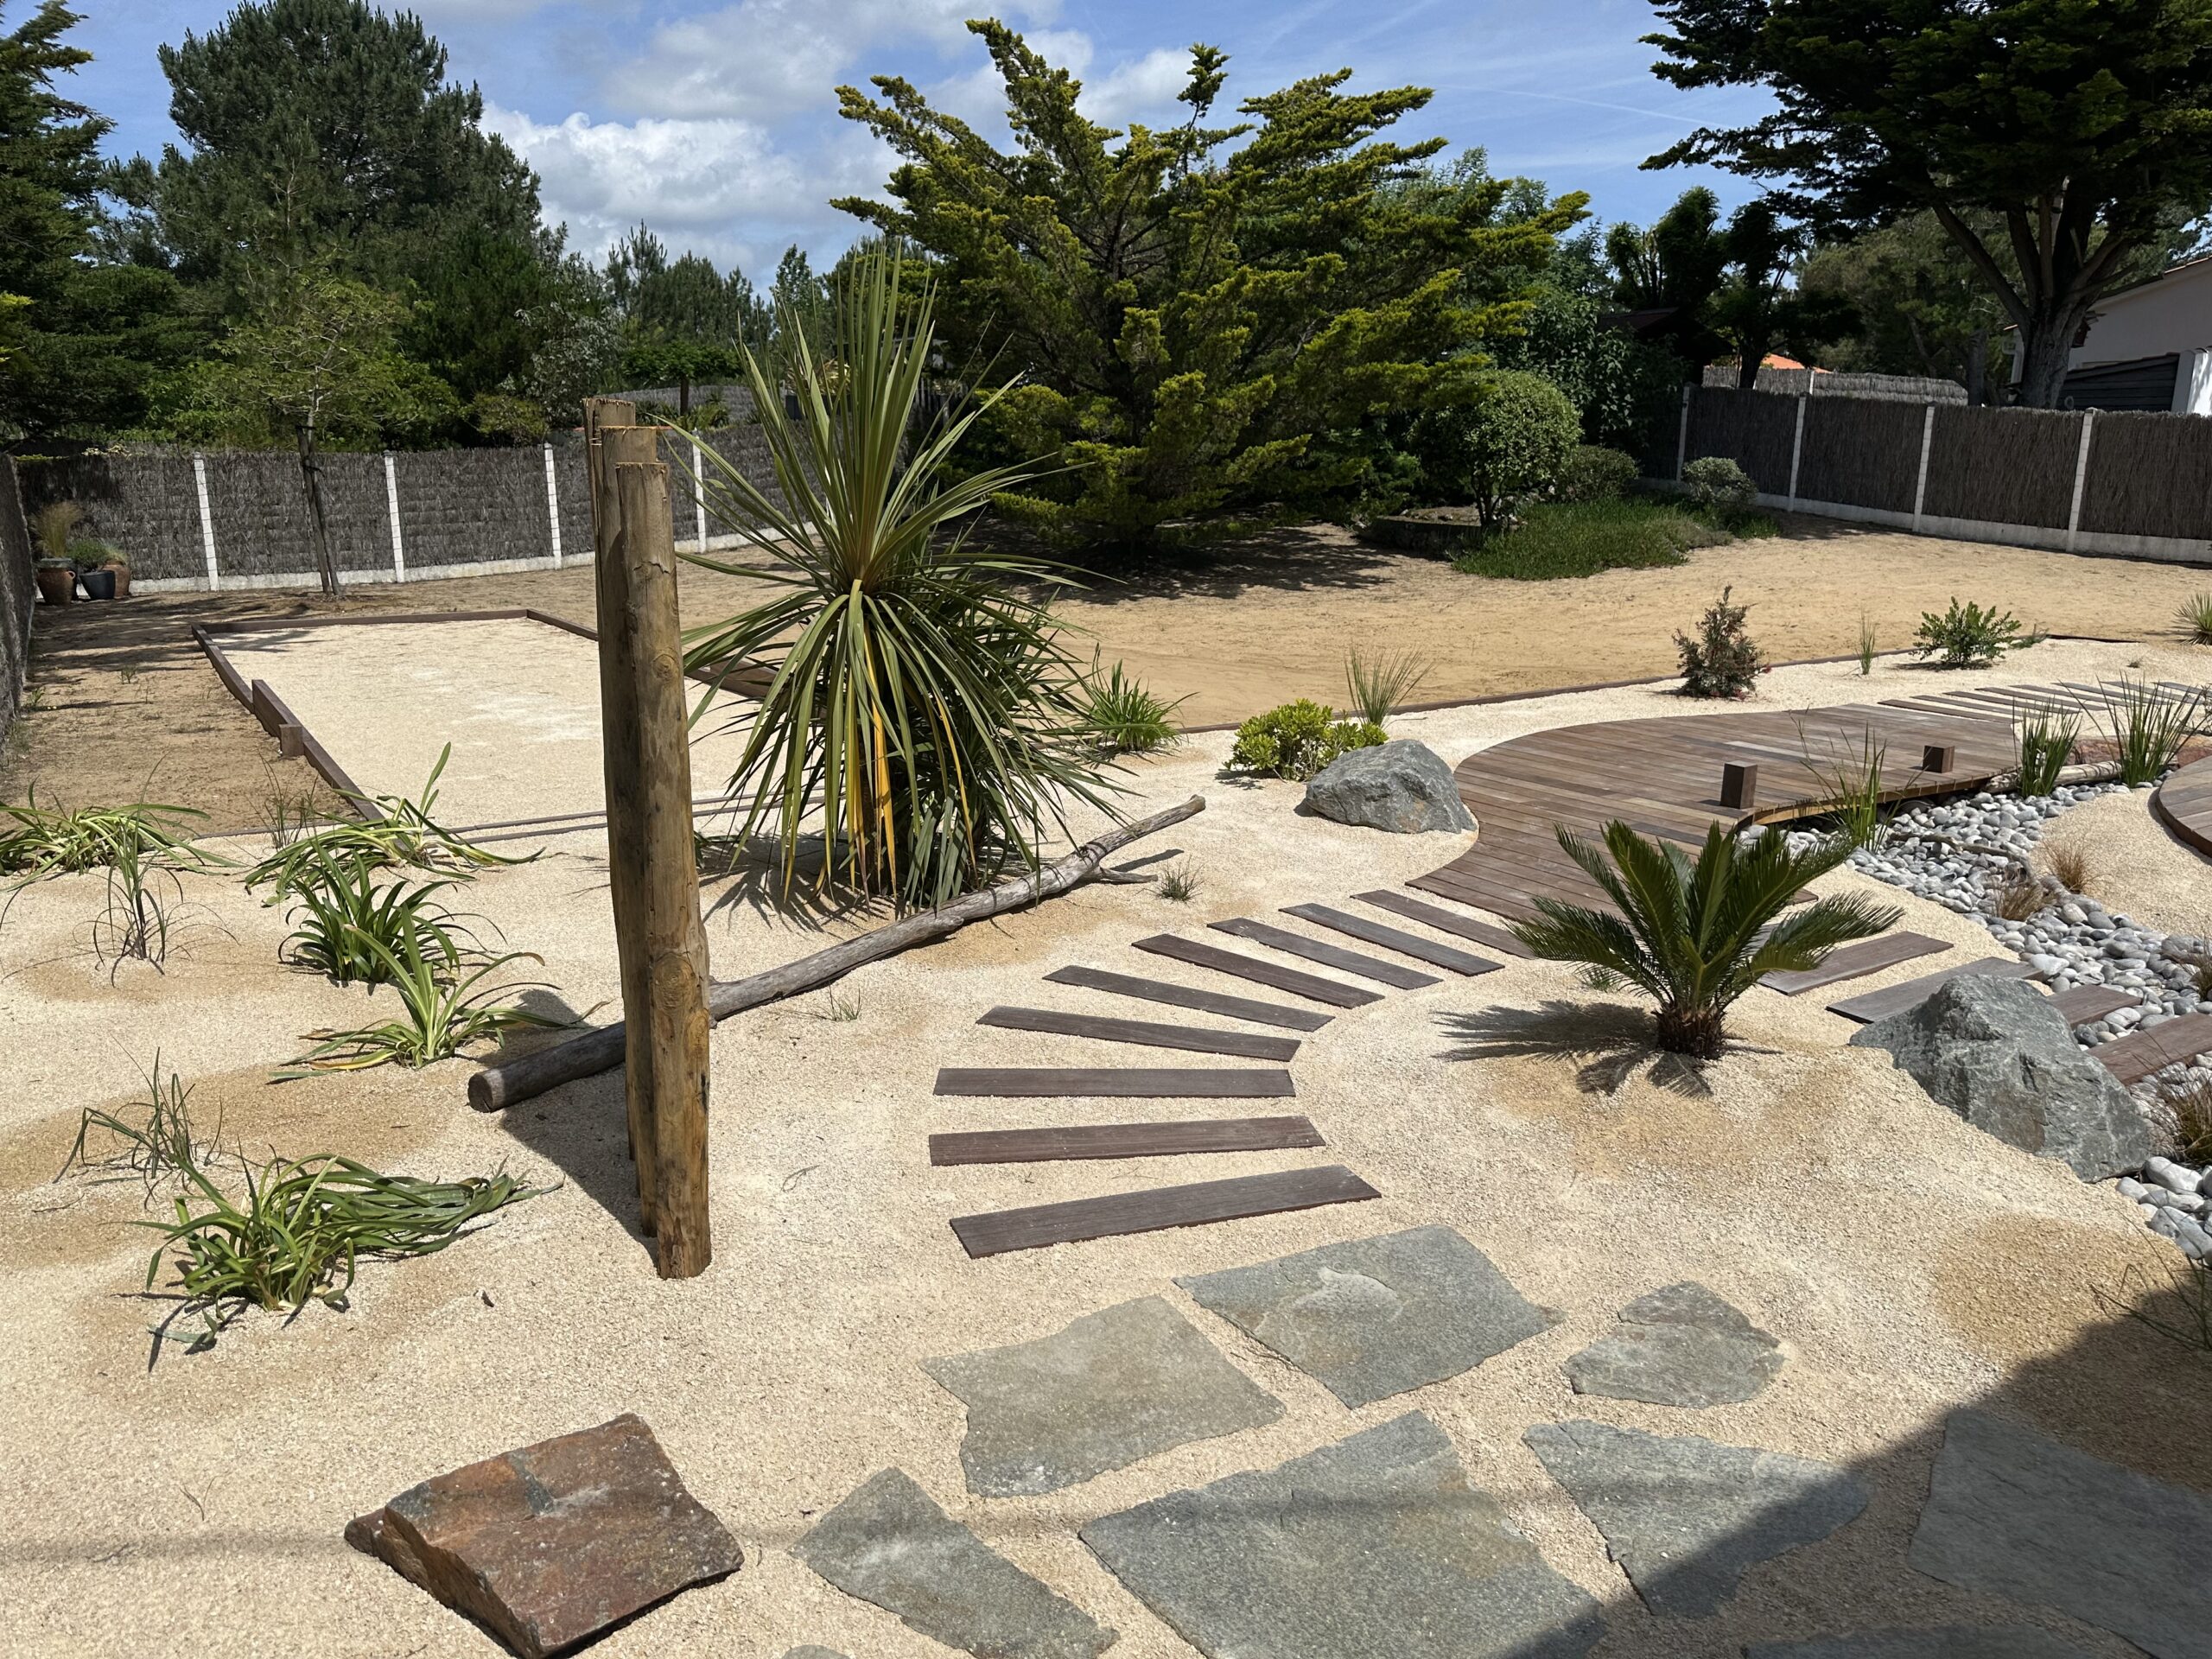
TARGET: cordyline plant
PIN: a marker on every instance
(1689, 933)
(920, 710)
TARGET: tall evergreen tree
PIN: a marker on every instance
(1200, 313)
(682, 321)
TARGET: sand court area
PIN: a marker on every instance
(518, 699)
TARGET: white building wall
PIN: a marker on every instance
(2171, 314)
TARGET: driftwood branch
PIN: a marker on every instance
(601, 1049)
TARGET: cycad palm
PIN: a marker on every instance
(1689, 933)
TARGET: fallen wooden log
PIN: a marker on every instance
(601, 1049)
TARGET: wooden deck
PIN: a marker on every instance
(2183, 805)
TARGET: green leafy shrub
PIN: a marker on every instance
(443, 1009)
(1504, 448)
(1689, 935)
(342, 911)
(1720, 661)
(1716, 483)
(1967, 636)
(401, 833)
(1123, 714)
(1593, 472)
(1298, 738)
(37, 841)
(1560, 539)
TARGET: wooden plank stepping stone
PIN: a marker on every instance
(1312, 987)
(1435, 916)
(1248, 1045)
(1879, 1005)
(1144, 1082)
(1124, 1140)
(2087, 1002)
(1184, 996)
(1854, 961)
(1329, 955)
(1395, 938)
(1195, 1205)
(2146, 1053)
(550, 1545)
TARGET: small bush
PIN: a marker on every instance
(1378, 684)
(54, 527)
(1123, 714)
(1865, 642)
(2046, 749)
(1507, 446)
(443, 1009)
(1298, 738)
(1179, 883)
(36, 842)
(1593, 472)
(1721, 661)
(1851, 780)
(2195, 619)
(2070, 861)
(2020, 897)
(2148, 726)
(405, 833)
(1580, 538)
(1719, 485)
(1967, 636)
(2191, 1104)
(342, 912)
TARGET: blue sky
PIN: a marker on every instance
(715, 122)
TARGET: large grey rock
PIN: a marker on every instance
(1111, 1388)
(1681, 1345)
(1401, 785)
(889, 1543)
(1952, 1642)
(1378, 1316)
(2012, 1513)
(1376, 1548)
(1996, 1052)
(1685, 1516)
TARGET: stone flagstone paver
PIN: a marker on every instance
(1681, 1345)
(1375, 1547)
(552, 1544)
(1378, 1316)
(2012, 1513)
(1952, 1642)
(890, 1544)
(1686, 1516)
(1112, 1388)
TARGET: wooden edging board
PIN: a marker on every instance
(1134, 1082)
(1078, 1141)
(1194, 1206)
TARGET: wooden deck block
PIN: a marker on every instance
(1185, 996)
(1247, 1045)
(1445, 921)
(1194, 1206)
(1124, 1141)
(1393, 938)
(1137, 1082)
(1739, 786)
(1879, 1005)
(2146, 1053)
(1939, 757)
(1312, 987)
(1329, 955)
(1854, 961)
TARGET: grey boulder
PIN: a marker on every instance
(1996, 1052)
(1402, 786)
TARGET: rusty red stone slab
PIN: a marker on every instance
(550, 1545)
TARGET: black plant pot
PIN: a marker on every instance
(97, 584)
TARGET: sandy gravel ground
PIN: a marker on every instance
(1907, 1263)
(2135, 865)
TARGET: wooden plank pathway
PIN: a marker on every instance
(1329, 955)
(1124, 1140)
(1855, 961)
(1312, 987)
(1896, 999)
(1393, 938)
(1185, 996)
(1445, 921)
(1245, 1044)
(2146, 1053)
(1193, 1205)
(2183, 805)
(1146, 1082)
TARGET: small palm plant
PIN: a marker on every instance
(921, 706)
(1695, 935)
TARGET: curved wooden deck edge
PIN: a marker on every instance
(2183, 805)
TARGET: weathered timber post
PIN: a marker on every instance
(608, 426)
(671, 1022)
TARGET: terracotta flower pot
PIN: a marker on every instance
(57, 583)
(122, 577)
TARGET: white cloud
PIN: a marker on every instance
(1141, 89)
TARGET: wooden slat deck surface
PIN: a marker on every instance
(1329, 955)
(2144, 1053)
(1855, 961)
(1446, 957)
(1136, 1081)
(1662, 775)
(1193, 1205)
(2183, 805)
(1185, 996)
(1312, 987)
(1445, 921)
(1199, 1039)
(1896, 999)
(1124, 1141)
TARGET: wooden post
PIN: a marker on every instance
(1938, 757)
(611, 436)
(671, 1021)
(1740, 785)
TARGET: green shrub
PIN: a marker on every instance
(1967, 636)
(1721, 661)
(1123, 714)
(342, 910)
(1378, 683)
(1508, 445)
(2046, 749)
(1593, 472)
(1580, 538)
(2148, 726)
(1298, 738)
(2195, 619)
(1719, 485)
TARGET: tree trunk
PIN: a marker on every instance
(1977, 366)
(2046, 343)
(1696, 1032)
(318, 525)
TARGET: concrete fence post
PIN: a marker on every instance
(1682, 436)
(391, 510)
(1927, 439)
(1796, 450)
(2081, 478)
(206, 523)
(552, 506)
(699, 492)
